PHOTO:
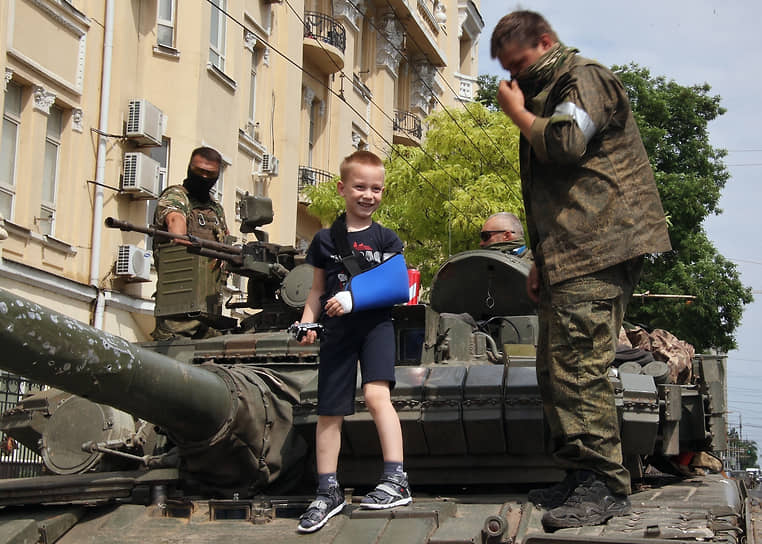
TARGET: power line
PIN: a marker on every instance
(444, 108)
(319, 80)
(433, 159)
(396, 16)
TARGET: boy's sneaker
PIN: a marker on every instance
(591, 503)
(556, 494)
(392, 490)
(327, 504)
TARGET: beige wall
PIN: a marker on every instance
(60, 65)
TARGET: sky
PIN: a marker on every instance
(691, 42)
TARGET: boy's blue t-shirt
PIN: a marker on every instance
(375, 243)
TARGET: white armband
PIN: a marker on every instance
(580, 117)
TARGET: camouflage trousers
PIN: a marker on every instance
(579, 321)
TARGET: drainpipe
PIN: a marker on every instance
(100, 166)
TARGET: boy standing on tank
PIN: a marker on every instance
(367, 336)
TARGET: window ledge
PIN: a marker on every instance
(361, 88)
(252, 147)
(58, 245)
(17, 231)
(221, 76)
(24, 234)
(166, 51)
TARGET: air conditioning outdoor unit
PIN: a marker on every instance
(144, 123)
(269, 164)
(133, 263)
(140, 175)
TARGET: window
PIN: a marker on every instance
(217, 191)
(8, 146)
(165, 23)
(46, 219)
(239, 196)
(160, 155)
(217, 35)
(313, 130)
(252, 124)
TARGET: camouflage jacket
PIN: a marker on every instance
(204, 219)
(589, 191)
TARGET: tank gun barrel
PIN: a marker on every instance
(224, 251)
(186, 400)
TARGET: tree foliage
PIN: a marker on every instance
(438, 196)
(690, 173)
(487, 93)
(744, 451)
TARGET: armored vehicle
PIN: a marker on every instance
(211, 440)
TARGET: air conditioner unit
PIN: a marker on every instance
(270, 164)
(133, 263)
(144, 123)
(140, 175)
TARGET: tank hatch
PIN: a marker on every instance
(483, 283)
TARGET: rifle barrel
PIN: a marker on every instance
(225, 250)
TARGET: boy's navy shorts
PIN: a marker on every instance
(364, 336)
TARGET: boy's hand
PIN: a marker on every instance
(306, 333)
(333, 307)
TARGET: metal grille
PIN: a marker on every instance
(130, 179)
(326, 29)
(16, 460)
(407, 122)
(134, 116)
(312, 176)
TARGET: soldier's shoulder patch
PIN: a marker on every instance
(173, 198)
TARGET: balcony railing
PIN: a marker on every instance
(16, 460)
(468, 87)
(326, 29)
(426, 11)
(407, 122)
(309, 177)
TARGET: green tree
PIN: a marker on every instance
(438, 196)
(744, 450)
(487, 93)
(690, 173)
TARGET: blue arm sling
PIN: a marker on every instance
(382, 286)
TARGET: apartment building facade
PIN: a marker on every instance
(104, 101)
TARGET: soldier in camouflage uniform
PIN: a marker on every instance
(503, 231)
(190, 209)
(593, 212)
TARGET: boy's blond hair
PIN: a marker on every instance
(359, 157)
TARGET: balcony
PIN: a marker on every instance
(420, 25)
(325, 40)
(309, 177)
(408, 129)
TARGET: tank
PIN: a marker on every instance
(212, 440)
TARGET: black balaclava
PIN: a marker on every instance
(199, 186)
